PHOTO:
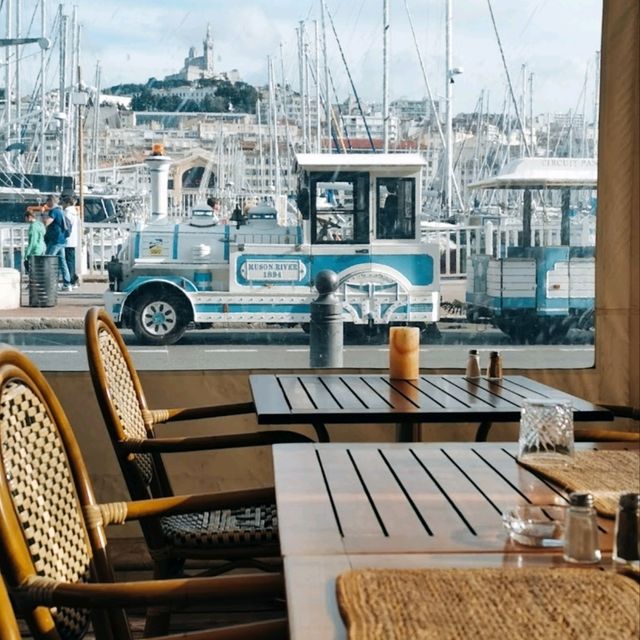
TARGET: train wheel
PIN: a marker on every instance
(160, 318)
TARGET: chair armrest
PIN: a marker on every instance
(203, 443)
(121, 512)
(159, 416)
(178, 592)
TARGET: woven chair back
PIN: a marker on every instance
(123, 405)
(130, 423)
(43, 487)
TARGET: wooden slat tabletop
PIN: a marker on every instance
(404, 498)
(352, 399)
(310, 582)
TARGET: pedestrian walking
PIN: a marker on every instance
(73, 241)
(55, 238)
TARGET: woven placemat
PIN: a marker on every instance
(605, 474)
(487, 604)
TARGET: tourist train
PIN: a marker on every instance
(359, 216)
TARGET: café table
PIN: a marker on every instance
(340, 498)
(348, 506)
(322, 399)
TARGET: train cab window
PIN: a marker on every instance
(395, 216)
(340, 208)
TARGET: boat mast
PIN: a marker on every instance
(326, 75)
(303, 102)
(274, 117)
(62, 89)
(523, 102)
(285, 96)
(96, 123)
(8, 90)
(448, 114)
(262, 172)
(80, 142)
(316, 33)
(43, 92)
(18, 89)
(270, 124)
(307, 94)
(531, 133)
(385, 75)
(596, 100)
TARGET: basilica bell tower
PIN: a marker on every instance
(208, 53)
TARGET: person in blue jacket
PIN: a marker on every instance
(55, 238)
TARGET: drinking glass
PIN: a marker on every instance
(546, 432)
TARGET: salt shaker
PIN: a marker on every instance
(626, 538)
(581, 530)
(473, 365)
(494, 370)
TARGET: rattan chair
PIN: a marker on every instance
(612, 435)
(235, 536)
(53, 547)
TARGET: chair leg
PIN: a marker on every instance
(158, 618)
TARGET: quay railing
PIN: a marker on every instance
(457, 243)
(100, 242)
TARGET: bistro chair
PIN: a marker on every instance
(236, 536)
(53, 547)
(612, 435)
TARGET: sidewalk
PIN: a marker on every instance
(68, 313)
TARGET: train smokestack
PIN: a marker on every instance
(158, 165)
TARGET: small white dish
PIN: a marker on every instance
(536, 525)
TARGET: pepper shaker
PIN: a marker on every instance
(473, 365)
(626, 537)
(494, 370)
(581, 530)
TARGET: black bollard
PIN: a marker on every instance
(325, 332)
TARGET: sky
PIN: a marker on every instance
(557, 40)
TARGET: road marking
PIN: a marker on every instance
(148, 351)
(297, 350)
(50, 351)
(230, 350)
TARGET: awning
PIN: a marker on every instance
(543, 173)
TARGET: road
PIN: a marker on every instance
(63, 350)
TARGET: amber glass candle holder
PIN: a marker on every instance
(404, 353)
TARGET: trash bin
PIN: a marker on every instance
(43, 281)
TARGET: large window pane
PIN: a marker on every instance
(479, 226)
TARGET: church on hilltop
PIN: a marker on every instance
(197, 67)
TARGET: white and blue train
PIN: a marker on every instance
(358, 216)
(540, 288)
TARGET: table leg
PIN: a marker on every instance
(321, 431)
(407, 432)
(483, 431)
